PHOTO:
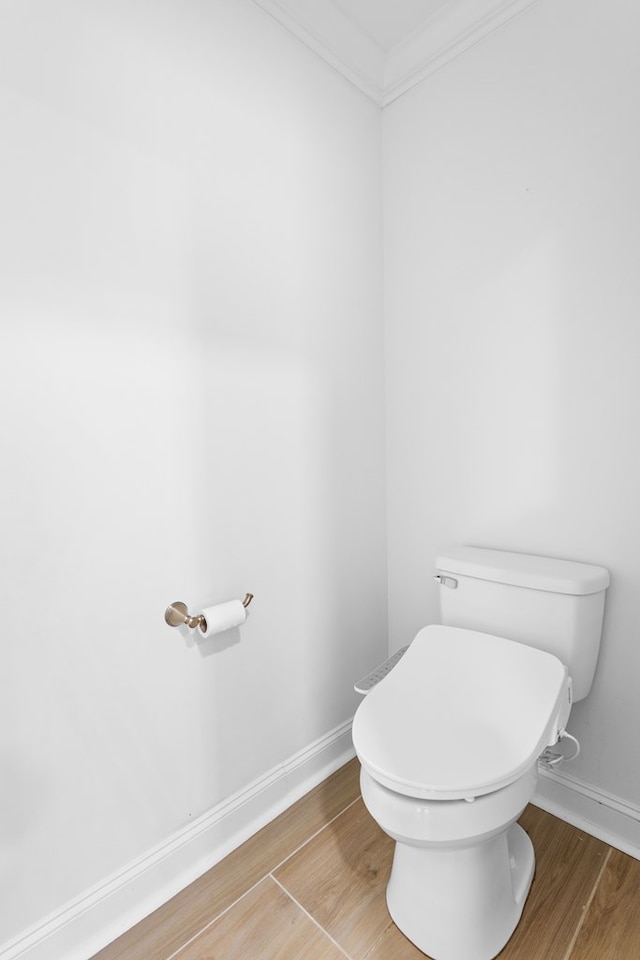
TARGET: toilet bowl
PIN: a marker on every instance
(463, 899)
(448, 744)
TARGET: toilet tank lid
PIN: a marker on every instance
(523, 570)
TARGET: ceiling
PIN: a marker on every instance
(387, 22)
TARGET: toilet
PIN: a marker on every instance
(449, 740)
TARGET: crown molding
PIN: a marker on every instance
(442, 38)
(454, 28)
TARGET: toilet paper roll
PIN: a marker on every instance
(222, 617)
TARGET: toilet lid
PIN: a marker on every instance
(462, 714)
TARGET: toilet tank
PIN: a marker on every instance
(554, 605)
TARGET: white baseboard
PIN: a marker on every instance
(598, 813)
(91, 921)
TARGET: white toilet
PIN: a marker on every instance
(449, 740)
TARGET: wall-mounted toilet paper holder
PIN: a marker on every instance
(177, 614)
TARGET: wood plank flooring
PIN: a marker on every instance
(312, 885)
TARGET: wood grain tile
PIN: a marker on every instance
(265, 924)
(168, 928)
(582, 904)
(340, 878)
(611, 928)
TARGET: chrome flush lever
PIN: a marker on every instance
(450, 582)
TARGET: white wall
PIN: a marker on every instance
(192, 388)
(192, 395)
(512, 246)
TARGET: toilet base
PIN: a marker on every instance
(461, 903)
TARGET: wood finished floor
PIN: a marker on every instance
(311, 886)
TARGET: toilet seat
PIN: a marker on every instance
(462, 715)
